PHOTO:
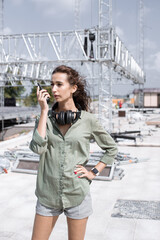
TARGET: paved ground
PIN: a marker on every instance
(141, 182)
(16, 130)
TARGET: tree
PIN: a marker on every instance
(14, 92)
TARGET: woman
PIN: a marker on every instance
(62, 138)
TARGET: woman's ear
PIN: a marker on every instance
(74, 88)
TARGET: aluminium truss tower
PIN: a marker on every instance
(26, 59)
(105, 67)
(141, 50)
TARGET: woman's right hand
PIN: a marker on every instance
(42, 96)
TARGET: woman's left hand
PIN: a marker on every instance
(84, 172)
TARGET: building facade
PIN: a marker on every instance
(151, 97)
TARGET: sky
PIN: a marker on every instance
(26, 16)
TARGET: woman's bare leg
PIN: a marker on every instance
(76, 228)
(43, 227)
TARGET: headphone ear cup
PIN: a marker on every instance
(68, 117)
(73, 116)
(78, 114)
(61, 118)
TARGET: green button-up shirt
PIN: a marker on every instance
(57, 185)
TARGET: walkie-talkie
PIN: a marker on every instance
(40, 88)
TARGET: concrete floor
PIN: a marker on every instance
(141, 182)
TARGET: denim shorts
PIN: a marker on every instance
(78, 212)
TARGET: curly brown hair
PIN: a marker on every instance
(81, 95)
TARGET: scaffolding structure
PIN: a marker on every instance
(26, 59)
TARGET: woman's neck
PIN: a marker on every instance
(65, 106)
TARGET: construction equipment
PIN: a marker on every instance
(124, 135)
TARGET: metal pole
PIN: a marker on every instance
(110, 98)
(2, 133)
(99, 96)
(141, 49)
(2, 96)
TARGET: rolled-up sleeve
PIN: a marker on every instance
(38, 144)
(104, 141)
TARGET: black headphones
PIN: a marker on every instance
(67, 117)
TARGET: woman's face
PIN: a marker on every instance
(61, 88)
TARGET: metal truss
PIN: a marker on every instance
(141, 33)
(95, 53)
(28, 58)
(31, 55)
(77, 14)
(141, 49)
(105, 13)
